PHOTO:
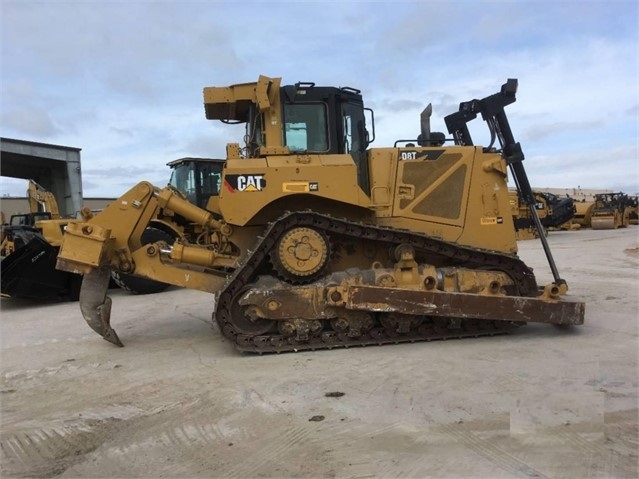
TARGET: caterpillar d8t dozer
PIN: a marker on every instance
(310, 239)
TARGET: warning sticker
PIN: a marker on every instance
(300, 186)
(492, 220)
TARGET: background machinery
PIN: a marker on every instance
(611, 211)
(22, 227)
(310, 239)
(560, 210)
(554, 212)
(583, 213)
(30, 245)
(632, 209)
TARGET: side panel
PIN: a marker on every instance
(382, 167)
(458, 194)
(249, 185)
(432, 185)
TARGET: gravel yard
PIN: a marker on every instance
(180, 402)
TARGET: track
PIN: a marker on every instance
(427, 250)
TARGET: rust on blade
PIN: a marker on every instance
(96, 305)
(463, 305)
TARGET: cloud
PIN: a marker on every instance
(123, 81)
(31, 120)
(538, 131)
(617, 164)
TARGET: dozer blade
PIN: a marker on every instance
(96, 305)
(605, 223)
(321, 301)
(462, 305)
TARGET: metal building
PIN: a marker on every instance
(56, 168)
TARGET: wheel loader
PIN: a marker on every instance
(311, 239)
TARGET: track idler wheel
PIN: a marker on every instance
(244, 321)
(301, 254)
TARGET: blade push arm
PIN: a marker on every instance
(492, 110)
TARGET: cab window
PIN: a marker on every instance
(183, 179)
(305, 127)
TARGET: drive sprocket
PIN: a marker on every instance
(301, 254)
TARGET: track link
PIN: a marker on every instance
(450, 254)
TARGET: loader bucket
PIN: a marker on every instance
(29, 272)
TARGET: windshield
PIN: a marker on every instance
(305, 127)
(210, 179)
(183, 180)
(197, 180)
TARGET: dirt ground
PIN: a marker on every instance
(180, 402)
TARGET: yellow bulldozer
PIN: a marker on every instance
(310, 239)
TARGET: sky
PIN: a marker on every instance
(123, 80)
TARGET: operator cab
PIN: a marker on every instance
(299, 119)
(29, 219)
(319, 121)
(197, 178)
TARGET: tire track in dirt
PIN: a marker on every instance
(66, 370)
(269, 450)
(180, 445)
(399, 450)
(51, 450)
(188, 440)
(211, 442)
(621, 440)
(52, 446)
(166, 425)
(496, 455)
(390, 449)
(576, 440)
